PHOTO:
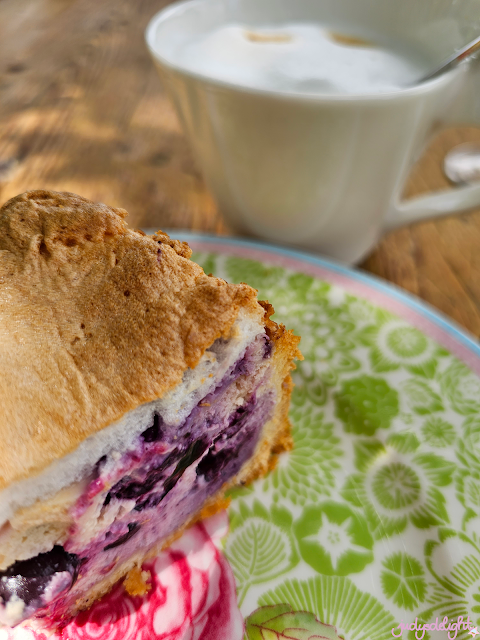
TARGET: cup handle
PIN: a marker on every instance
(437, 204)
(465, 110)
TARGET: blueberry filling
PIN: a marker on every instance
(268, 348)
(133, 528)
(214, 462)
(27, 580)
(130, 488)
(240, 417)
(230, 448)
(139, 485)
(194, 451)
(153, 433)
(98, 467)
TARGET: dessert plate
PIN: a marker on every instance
(373, 520)
(371, 523)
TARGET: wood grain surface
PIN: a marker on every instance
(82, 109)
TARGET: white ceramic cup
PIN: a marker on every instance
(323, 172)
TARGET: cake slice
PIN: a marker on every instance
(134, 391)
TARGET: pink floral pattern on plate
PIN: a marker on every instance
(193, 597)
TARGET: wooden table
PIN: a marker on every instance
(82, 109)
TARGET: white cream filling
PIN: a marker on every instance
(12, 612)
(174, 407)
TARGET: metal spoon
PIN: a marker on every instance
(462, 163)
(451, 62)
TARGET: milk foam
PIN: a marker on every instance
(296, 58)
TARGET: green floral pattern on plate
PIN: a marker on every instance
(403, 580)
(374, 517)
(308, 473)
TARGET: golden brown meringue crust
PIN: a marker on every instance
(95, 319)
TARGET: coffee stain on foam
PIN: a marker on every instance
(340, 38)
(350, 41)
(257, 36)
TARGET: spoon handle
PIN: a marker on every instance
(469, 49)
(453, 60)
